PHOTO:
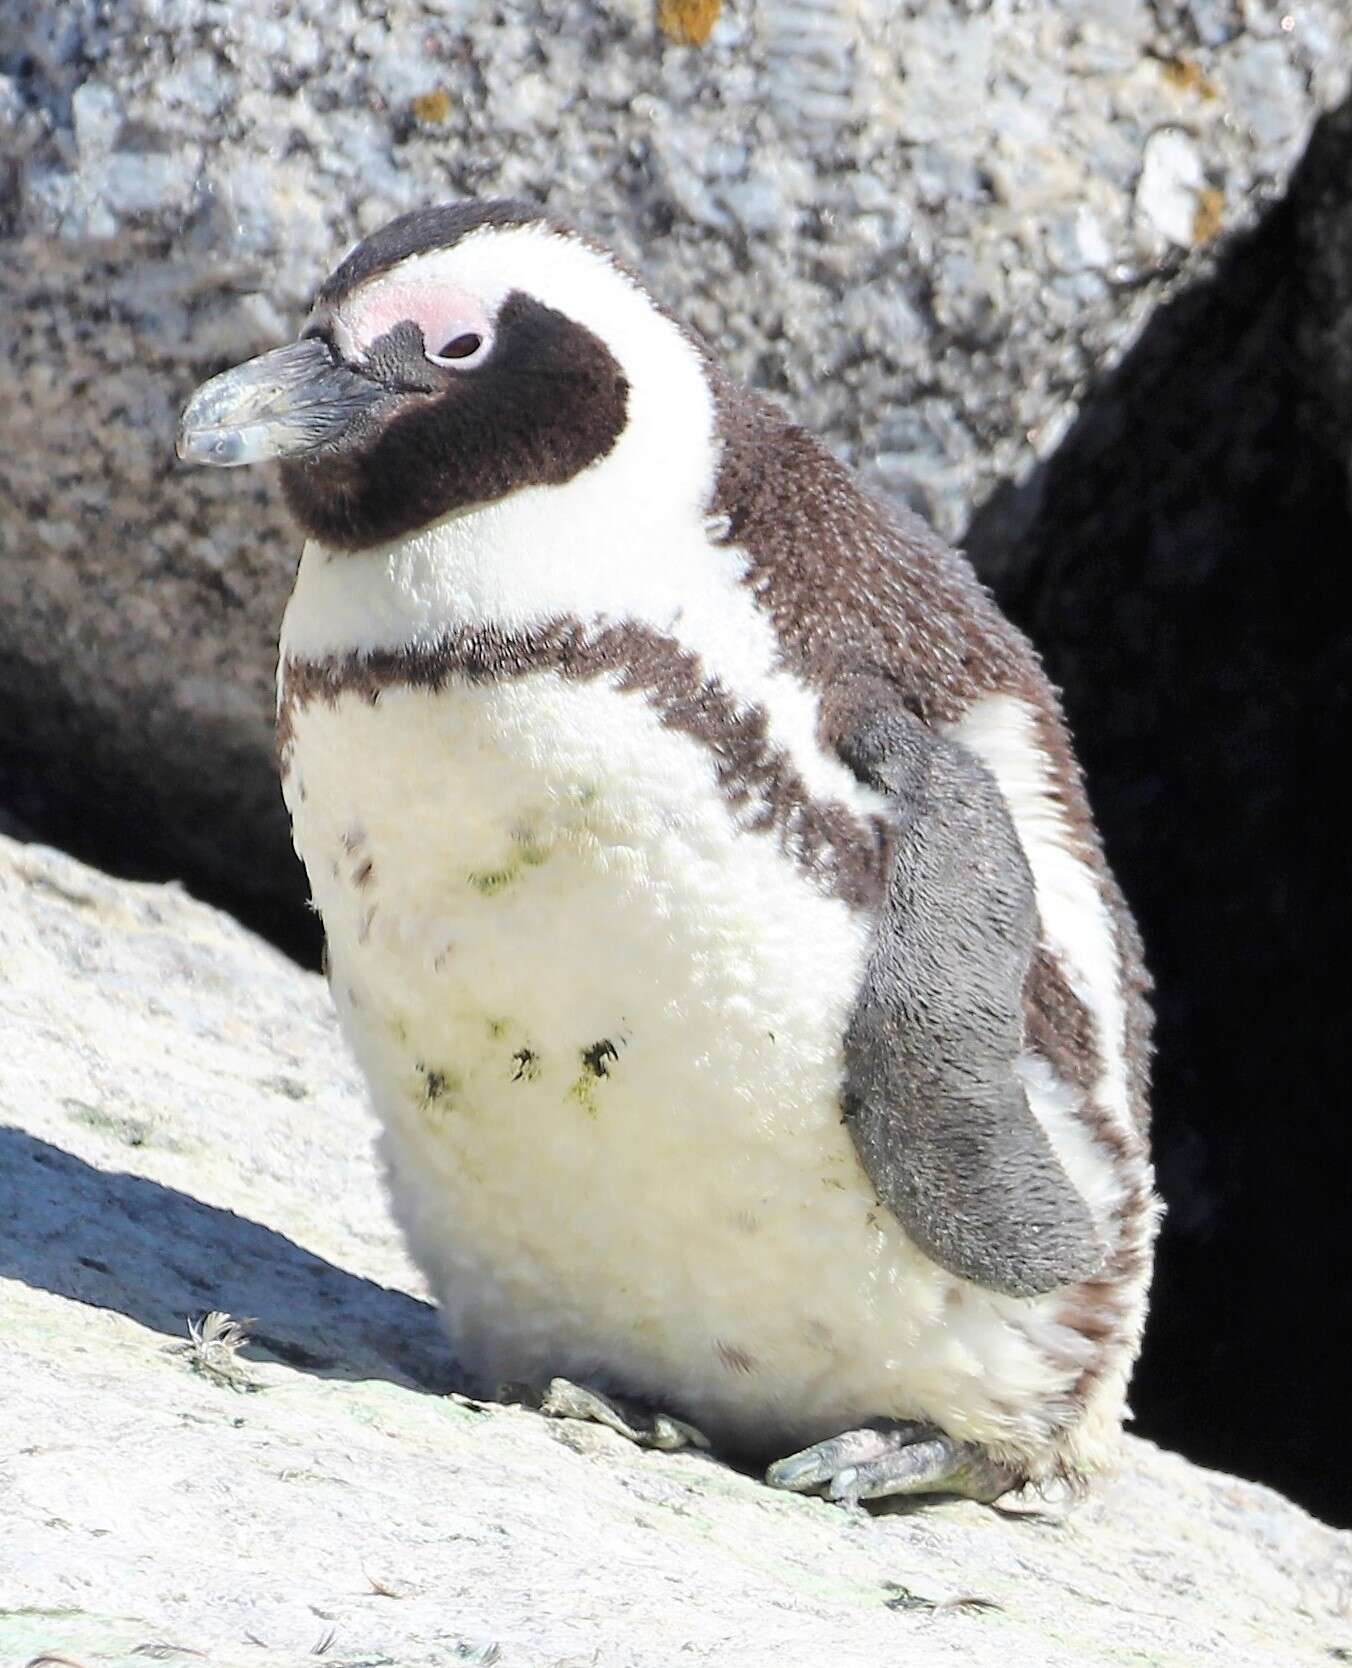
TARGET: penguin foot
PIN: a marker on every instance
(566, 1400)
(891, 1459)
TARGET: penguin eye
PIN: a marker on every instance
(456, 326)
(467, 347)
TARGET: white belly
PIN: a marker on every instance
(602, 1028)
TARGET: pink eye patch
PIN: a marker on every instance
(456, 328)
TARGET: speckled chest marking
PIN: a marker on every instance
(602, 1027)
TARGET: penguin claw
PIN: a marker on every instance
(887, 1460)
(818, 1465)
(566, 1400)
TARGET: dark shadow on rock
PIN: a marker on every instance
(160, 1257)
(77, 784)
(1184, 563)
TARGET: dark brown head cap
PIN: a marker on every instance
(419, 232)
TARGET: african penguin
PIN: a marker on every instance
(711, 897)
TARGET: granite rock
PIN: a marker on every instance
(181, 1136)
(924, 226)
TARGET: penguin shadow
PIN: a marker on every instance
(122, 1242)
(117, 1241)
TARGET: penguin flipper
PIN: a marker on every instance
(939, 1116)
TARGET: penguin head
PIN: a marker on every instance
(457, 356)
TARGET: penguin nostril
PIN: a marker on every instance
(321, 333)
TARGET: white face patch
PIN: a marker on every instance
(670, 415)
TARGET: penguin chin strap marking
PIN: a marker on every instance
(893, 1459)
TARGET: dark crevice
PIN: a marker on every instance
(1184, 563)
(83, 789)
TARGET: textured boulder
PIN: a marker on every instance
(923, 225)
(1004, 203)
(180, 1133)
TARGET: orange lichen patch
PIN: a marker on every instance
(1207, 216)
(432, 108)
(1186, 77)
(688, 22)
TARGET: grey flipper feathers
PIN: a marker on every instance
(940, 1120)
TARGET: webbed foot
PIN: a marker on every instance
(892, 1459)
(565, 1400)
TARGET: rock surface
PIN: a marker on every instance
(180, 1132)
(925, 225)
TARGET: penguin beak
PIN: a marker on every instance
(280, 405)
